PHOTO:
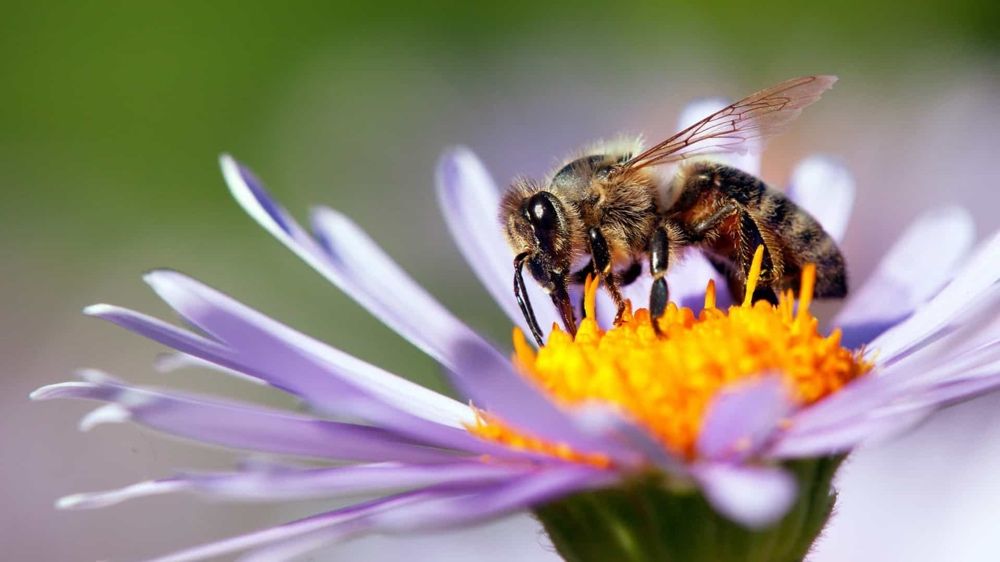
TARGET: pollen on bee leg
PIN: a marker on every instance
(754, 275)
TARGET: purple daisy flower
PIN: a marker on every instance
(761, 459)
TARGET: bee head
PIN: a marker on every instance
(537, 227)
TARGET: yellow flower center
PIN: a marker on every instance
(667, 383)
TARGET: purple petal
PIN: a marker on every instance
(322, 388)
(825, 189)
(238, 425)
(338, 524)
(469, 202)
(975, 284)
(419, 510)
(912, 271)
(499, 499)
(743, 418)
(298, 484)
(350, 260)
(889, 405)
(690, 278)
(444, 511)
(600, 419)
(319, 373)
(752, 496)
(841, 438)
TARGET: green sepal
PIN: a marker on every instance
(646, 519)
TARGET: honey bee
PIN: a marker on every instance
(612, 206)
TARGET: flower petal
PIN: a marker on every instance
(977, 281)
(298, 484)
(240, 426)
(443, 510)
(320, 374)
(842, 437)
(743, 418)
(336, 524)
(752, 496)
(350, 260)
(428, 508)
(470, 201)
(912, 271)
(323, 389)
(825, 189)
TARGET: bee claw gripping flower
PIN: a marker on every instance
(716, 441)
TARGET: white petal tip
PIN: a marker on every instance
(104, 499)
(109, 413)
(59, 390)
(70, 502)
(99, 309)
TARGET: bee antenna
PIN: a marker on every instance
(521, 294)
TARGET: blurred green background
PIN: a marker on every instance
(112, 115)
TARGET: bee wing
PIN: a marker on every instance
(759, 115)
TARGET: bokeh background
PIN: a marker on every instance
(112, 115)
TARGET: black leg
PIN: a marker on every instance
(659, 259)
(601, 257)
(521, 294)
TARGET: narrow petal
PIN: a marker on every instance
(887, 406)
(337, 523)
(912, 271)
(843, 437)
(752, 496)
(425, 509)
(322, 390)
(825, 189)
(470, 201)
(243, 426)
(298, 484)
(350, 260)
(444, 511)
(959, 352)
(976, 282)
(743, 418)
(320, 374)
(499, 499)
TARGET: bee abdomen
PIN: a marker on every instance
(806, 242)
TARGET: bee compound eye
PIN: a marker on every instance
(541, 212)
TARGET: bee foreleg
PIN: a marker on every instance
(601, 257)
(659, 259)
